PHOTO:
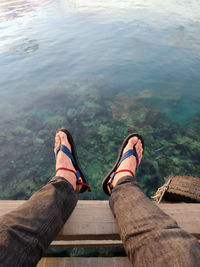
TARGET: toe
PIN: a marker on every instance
(57, 142)
(133, 140)
(131, 143)
(138, 146)
(62, 135)
(64, 139)
(139, 150)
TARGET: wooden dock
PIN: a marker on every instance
(92, 225)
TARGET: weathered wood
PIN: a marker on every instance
(90, 220)
(93, 220)
(83, 262)
(187, 216)
(8, 205)
(85, 243)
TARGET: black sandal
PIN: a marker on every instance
(106, 185)
(74, 158)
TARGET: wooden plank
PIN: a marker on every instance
(85, 243)
(85, 262)
(8, 205)
(90, 220)
(93, 220)
(187, 216)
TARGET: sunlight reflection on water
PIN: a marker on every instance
(13, 8)
(137, 47)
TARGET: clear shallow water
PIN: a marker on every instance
(102, 69)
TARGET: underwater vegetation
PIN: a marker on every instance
(169, 146)
(99, 122)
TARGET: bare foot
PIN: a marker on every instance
(62, 160)
(130, 162)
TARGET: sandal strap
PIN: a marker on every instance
(130, 152)
(78, 180)
(67, 152)
(77, 173)
(82, 183)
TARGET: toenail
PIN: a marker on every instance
(135, 138)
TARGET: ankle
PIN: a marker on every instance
(69, 176)
(118, 176)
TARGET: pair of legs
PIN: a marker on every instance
(150, 237)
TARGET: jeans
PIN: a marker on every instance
(150, 237)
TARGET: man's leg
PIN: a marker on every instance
(27, 231)
(150, 237)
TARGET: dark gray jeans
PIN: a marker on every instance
(150, 237)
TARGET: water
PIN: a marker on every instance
(102, 69)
